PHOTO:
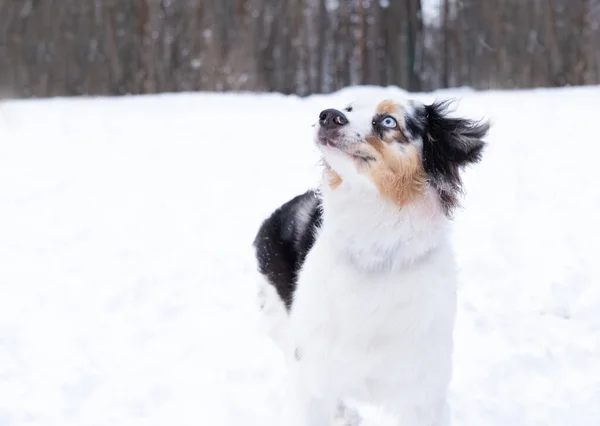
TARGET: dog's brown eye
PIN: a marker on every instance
(389, 122)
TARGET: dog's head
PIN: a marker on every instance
(399, 148)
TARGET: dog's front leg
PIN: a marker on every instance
(302, 407)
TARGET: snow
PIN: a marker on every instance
(127, 276)
(431, 10)
(384, 3)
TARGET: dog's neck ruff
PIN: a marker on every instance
(374, 234)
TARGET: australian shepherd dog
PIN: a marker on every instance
(359, 275)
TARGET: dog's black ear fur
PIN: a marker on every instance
(449, 144)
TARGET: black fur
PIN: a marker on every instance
(449, 144)
(284, 240)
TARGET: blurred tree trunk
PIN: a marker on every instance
(362, 42)
(321, 44)
(415, 39)
(446, 44)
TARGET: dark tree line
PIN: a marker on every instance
(77, 47)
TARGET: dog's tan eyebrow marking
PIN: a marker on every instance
(387, 107)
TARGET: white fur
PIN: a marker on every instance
(374, 309)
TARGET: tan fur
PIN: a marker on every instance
(399, 178)
(395, 136)
(387, 107)
(333, 179)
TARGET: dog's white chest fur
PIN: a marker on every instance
(374, 309)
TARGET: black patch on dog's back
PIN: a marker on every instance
(284, 240)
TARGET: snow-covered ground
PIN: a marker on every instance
(127, 277)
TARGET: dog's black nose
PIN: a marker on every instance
(332, 118)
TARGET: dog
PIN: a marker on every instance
(359, 274)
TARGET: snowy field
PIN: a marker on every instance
(127, 278)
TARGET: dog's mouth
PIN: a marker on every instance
(325, 140)
(329, 142)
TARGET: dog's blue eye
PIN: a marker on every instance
(389, 122)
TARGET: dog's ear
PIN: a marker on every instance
(449, 144)
(453, 141)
